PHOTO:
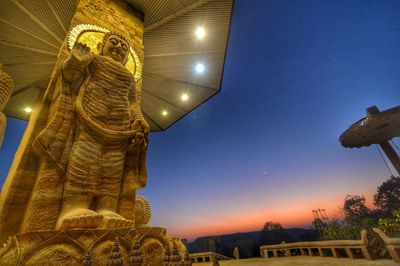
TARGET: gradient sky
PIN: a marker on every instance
(266, 148)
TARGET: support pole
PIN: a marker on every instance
(391, 154)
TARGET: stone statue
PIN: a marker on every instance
(93, 147)
(6, 89)
(70, 195)
(236, 253)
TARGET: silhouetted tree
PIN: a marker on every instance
(271, 226)
(273, 233)
(387, 198)
(354, 206)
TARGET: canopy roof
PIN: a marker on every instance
(377, 127)
(32, 31)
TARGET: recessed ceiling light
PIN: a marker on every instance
(200, 33)
(184, 97)
(200, 68)
(164, 113)
(28, 110)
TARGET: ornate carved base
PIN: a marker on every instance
(121, 246)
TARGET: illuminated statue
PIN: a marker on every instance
(94, 143)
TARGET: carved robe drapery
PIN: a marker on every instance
(53, 146)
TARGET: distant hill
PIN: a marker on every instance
(249, 242)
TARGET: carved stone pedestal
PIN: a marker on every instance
(87, 247)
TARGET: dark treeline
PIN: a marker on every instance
(249, 243)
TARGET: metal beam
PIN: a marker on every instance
(391, 154)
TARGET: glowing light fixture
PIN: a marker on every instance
(164, 113)
(200, 33)
(28, 110)
(184, 97)
(200, 68)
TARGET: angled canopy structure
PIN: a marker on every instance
(376, 128)
(32, 32)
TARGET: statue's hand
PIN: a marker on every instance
(139, 140)
(80, 57)
(81, 48)
(142, 137)
(141, 124)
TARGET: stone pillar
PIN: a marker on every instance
(111, 15)
(334, 252)
(6, 89)
(349, 253)
(302, 252)
(392, 252)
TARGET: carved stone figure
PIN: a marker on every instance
(6, 89)
(236, 253)
(71, 190)
(94, 143)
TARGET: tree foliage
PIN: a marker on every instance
(387, 198)
(391, 225)
(271, 226)
(354, 206)
(273, 233)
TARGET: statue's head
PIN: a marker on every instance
(115, 46)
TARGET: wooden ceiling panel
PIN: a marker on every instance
(153, 107)
(18, 103)
(182, 68)
(46, 14)
(14, 13)
(15, 35)
(16, 54)
(64, 10)
(30, 76)
(171, 91)
(156, 10)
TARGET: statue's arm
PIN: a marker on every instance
(137, 119)
(136, 112)
(75, 65)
